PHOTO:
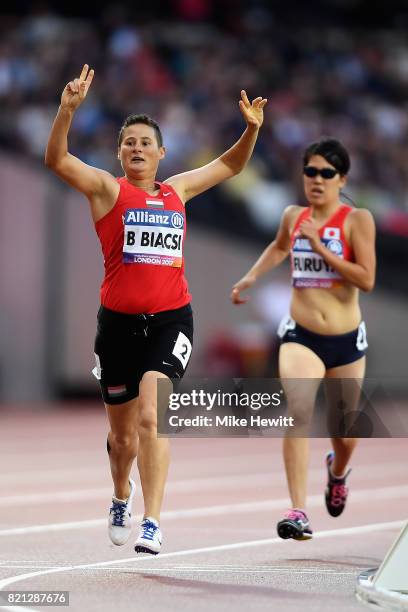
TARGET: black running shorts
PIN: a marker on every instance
(334, 351)
(127, 346)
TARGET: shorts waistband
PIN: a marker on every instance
(126, 318)
(351, 333)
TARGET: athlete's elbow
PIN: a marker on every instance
(232, 167)
(234, 170)
(50, 161)
(53, 163)
(367, 285)
(53, 159)
(238, 168)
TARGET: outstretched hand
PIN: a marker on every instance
(245, 283)
(75, 91)
(253, 113)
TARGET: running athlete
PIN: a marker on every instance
(332, 250)
(145, 324)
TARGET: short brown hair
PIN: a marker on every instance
(146, 120)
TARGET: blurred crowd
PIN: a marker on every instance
(186, 69)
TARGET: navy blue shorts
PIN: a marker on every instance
(128, 345)
(334, 351)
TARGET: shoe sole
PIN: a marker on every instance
(289, 530)
(143, 549)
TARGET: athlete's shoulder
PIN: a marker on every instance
(361, 224)
(361, 216)
(291, 213)
(289, 218)
(167, 184)
(293, 210)
(362, 213)
(174, 187)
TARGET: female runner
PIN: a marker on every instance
(145, 327)
(332, 250)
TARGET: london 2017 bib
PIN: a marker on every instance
(153, 237)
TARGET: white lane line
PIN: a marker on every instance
(17, 609)
(56, 474)
(208, 549)
(58, 496)
(187, 568)
(224, 482)
(361, 496)
(182, 568)
(181, 486)
(170, 570)
(177, 486)
(29, 566)
(175, 570)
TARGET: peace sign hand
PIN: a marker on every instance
(253, 113)
(75, 91)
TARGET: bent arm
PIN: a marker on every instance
(274, 254)
(230, 163)
(360, 273)
(190, 184)
(92, 182)
(277, 251)
(81, 176)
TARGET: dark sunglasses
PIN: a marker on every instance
(325, 173)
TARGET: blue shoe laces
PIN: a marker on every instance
(118, 510)
(149, 530)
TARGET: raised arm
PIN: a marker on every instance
(273, 255)
(88, 180)
(190, 184)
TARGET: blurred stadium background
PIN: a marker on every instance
(328, 67)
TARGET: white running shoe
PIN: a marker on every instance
(120, 514)
(150, 537)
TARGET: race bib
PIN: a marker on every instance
(310, 269)
(286, 324)
(152, 237)
(182, 349)
(361, 342)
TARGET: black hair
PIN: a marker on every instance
(146, 120)
(332, 150)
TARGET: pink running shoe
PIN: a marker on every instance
(294, 524)
(336, 490)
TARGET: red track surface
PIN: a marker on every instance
(221, 492)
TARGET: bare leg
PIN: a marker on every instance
(153, 454)
(344, 447)
(296, 458)
(123, 442)
(299, 362)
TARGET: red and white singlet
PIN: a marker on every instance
(309, 270)
(142, 240)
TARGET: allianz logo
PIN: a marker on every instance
(166, 218)
(302, 244)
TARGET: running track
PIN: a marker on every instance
(223, 500)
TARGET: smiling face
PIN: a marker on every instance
(322, 191)
(139, 152)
